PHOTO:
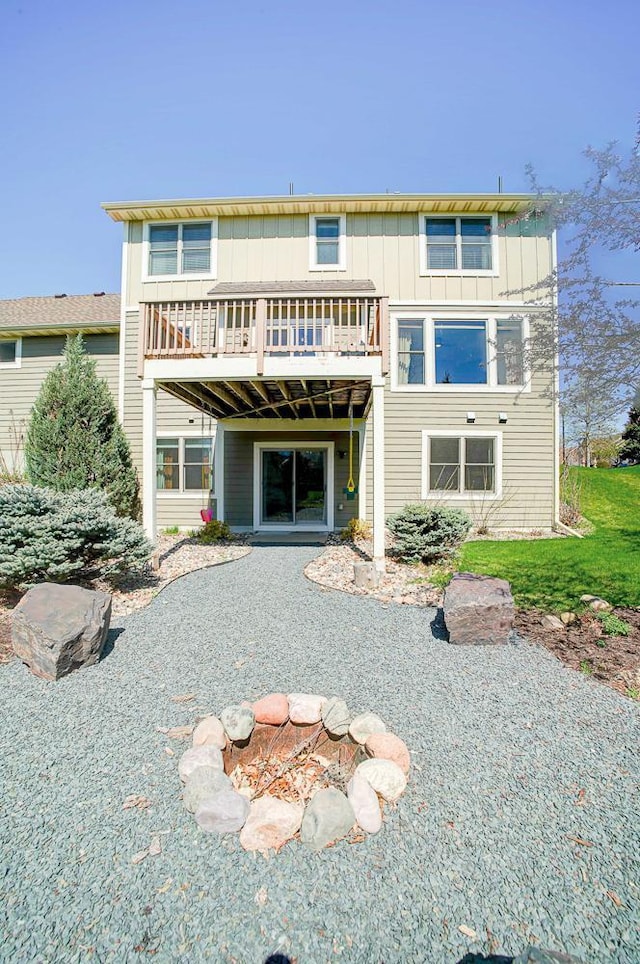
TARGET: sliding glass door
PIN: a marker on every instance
(293, 487)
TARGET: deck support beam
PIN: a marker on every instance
(377, 391)
(149, 407)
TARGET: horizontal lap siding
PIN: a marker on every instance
(238, 449)
(19, 387)
(180, 511)
(174, 417)
(527, 451)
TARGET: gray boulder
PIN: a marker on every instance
(478, 610)
(329, 816)
(204, 782)
(225, 812)
(56, 629)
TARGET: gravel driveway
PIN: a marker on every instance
(520, 821)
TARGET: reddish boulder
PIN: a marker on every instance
(273, 709)
(478, 610)
(387, 746)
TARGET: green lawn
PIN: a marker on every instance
(552, 574)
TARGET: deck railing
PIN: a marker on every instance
(272, 326)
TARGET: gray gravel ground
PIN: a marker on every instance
(504, 743)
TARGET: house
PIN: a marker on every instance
(296, 361)
(346, 354)
(32, 337)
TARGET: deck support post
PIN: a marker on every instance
(218, 471)
(149, 404)
(377, 387)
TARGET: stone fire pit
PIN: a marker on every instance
(292, 764)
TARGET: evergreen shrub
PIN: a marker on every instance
(424, 533)
(213, 532)
(60, 536)
(74, 439)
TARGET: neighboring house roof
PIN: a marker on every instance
(233, 288)
(54, 314)
(318, 204)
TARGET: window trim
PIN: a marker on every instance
(210, 275)
(181, 492)
(492, 272)
(441, 495)
(17, 361)
(341, 264)
(429, 318)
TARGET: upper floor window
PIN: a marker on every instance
(327, 243)
(433, 352)
(457, 245)
(181, 249)
(10, 353)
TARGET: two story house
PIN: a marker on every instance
(296, 361)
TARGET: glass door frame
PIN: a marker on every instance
(286, 445)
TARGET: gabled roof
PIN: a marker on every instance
(318, 204)
(56, 314)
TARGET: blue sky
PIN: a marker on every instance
(130, 99)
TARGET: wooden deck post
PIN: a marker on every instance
(143, 324)
(384, 334)
(261, 332)
(378, 472)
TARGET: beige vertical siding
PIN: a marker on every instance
(380, 247)
(238, 451)
(19, 387)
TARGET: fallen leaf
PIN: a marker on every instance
(155, 847)
(261, 897)
(467, 931)
(184, 698)
(580, 841)
(580, 798)
(239, 663)
(614, 897)
(136, 800)
(176, 732)
(165, 887)
(139, 857)
(169, 751)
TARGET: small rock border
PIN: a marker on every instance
(323, 813)
(400, 583)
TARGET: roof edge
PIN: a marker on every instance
(300, 203)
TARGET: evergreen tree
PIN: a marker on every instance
(74, 439)
(630, 448)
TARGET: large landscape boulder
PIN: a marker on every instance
(478, 610)
(56, 629)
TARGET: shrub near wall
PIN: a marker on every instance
(59, 536)
(424, 533)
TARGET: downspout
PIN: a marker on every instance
(556, 384)
(123, 323)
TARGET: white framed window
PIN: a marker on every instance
(327, 242)
(181, 249)
(469, 352)
(10, 352)
(461, 465)
(184, 464)
(458, 244)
